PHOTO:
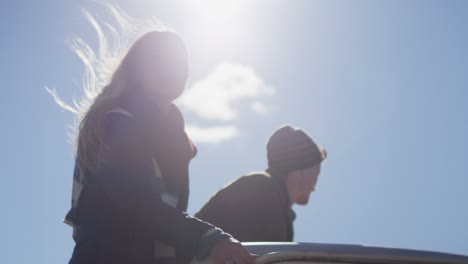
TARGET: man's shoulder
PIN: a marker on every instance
(256, 177)
(247, 193)
(254, 183)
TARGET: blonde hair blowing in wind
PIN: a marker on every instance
(104, 77)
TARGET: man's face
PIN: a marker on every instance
(308, 180)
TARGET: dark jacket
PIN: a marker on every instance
(252, 208)
(128, 211)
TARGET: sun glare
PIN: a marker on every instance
(219, 18)
(217, 13)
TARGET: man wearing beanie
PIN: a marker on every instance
(258, 206)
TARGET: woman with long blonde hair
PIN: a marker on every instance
(130, 188)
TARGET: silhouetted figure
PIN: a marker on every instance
(131, 186)
(258, 207)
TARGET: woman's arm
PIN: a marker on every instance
(127, 177)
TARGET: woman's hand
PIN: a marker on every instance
(230, 251)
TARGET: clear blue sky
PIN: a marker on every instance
(382, 85)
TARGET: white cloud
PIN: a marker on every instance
(259, 108)
(215, 134)
(214, 97)
(219, 97)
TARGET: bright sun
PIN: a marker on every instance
(219, 16)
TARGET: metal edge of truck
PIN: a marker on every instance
(275, 252)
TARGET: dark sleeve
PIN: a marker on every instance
(250, 209)
(127, 177)
(263, 212)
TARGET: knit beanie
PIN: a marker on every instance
(290, 149)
